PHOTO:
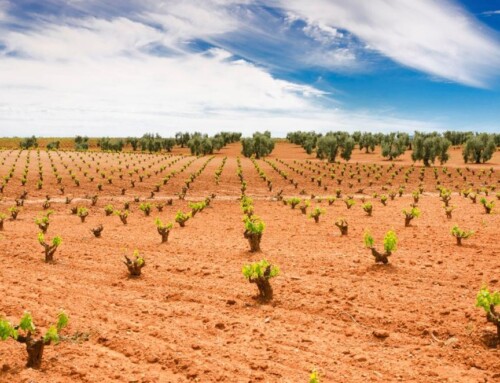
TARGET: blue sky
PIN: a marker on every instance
(125, 67)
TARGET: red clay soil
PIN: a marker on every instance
(192, 316)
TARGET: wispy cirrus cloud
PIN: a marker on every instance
(73, 65)
(491, 13)
(99, 73)
(438, 38)
(3, 10)
(79, 39)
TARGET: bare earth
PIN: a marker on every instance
(191, 316)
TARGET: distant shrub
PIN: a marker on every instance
(489, 302)
(448, 211)
(54, 145)
(409, 214)
(123, 214)
(390, 243)
(445, 196)
(163, 229)
(349, 202)
(343, 226)
(383, 199)
(314, 377)
(260, 273)
(49, 248)
(316, 213)
(368, 208)
(82, 212)
(2, 219)
(197, 207)
(81, 143)
(304, 206)
(108, 210)
(293, 202)
(254, 228)
(43, 222)
(135, 265)
(97, 231)
(460, 234)
(181, 218)
(146, 208)
(24, 332)
(29, 142)
(488, 206)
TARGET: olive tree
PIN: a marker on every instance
(133, 141)
(479, 148)
(394, 145)
(227, 137)
(428, 147)
(29, 142)
(182, 138)
(457, 138)
(368, 142)
(81, 143)
(307, 140)
(200, 144)
(260, 145)
(331, 144)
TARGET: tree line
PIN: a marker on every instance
(198, 143)
(426, 147)
(332, 146)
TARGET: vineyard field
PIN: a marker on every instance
(192, 316)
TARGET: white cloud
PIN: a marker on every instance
(322, 33)
(490, 13)
(184, 20)
(340, 59)
(124, 96)
(438, 38)
(82, 39)
(3, 10)
(96, 76)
